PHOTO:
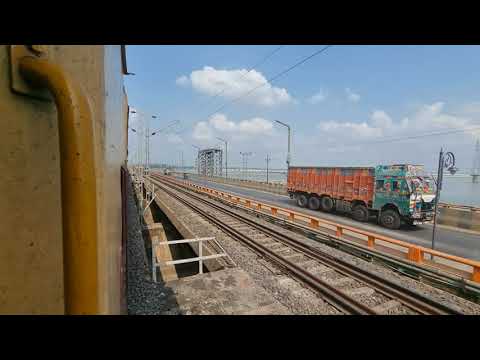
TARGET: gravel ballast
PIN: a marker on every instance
(144, 297)
(295, 297)
(285, 291)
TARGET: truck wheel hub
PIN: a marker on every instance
(388, 220)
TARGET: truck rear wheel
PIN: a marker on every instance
(314, 203)
(390, 219)
(360, 213)
(302, 200)
(326, 204)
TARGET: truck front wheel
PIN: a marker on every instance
(390, 219)
(302, 200)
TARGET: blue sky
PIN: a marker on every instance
(364, 94)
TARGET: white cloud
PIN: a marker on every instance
(255, 126)
(174, 139)
(348, 142)
(472, 108)
(433, 117)
(231, 84)
(428, 118)
(202, 131)
(381, 119)
(351, 96)
(182, 80)
(318, 97)
(219, 124)
(342, 129)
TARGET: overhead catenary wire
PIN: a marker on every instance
(411, 137)
(254, 67)
(272, 79)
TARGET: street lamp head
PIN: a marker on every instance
(133, 111)
(449, 163)
(453, 170)
(281, 123)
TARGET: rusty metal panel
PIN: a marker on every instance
(324, 181)
(339, 183)
(335, 183)
(311, 180)
(348, 184)
(363, 189)
(307, 180)
(356, 184)
(329, 182)
(316, 185)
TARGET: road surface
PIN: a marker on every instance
(456, 242)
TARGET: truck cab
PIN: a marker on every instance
(403, 192)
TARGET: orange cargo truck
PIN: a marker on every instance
(392, 193)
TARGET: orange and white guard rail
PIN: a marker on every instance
(466, 268)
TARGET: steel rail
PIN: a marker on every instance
(407, 297)
(453, 283)
(333, 296)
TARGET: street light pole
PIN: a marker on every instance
(289, 140)
(245, 163)
(148, 145)
(226, 156)
(268, 160)
(139, 167)
(146, 130)
(445, 161)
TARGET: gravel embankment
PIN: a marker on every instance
(144, 297)
(298, 299)
(463, 305)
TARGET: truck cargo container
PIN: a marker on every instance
(391, 193)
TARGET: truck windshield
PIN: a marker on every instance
(421, 184)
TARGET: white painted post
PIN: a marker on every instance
(200, 262)
(154, 262)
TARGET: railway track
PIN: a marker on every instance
(346, 287)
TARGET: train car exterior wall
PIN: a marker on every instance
(31, 260)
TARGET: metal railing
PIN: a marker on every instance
(200, 258)
(411, 252)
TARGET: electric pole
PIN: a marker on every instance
(245, 163)
(289, 140)
(268, 160)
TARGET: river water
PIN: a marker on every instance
(458, 189)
